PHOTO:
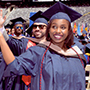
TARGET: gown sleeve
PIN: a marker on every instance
(27, 63)
(2, 68)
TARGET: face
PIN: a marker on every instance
(39, 30)
(13, 30)
(18, 29)
(59, 31)
(8, 30)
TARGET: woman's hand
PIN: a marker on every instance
(2, 20)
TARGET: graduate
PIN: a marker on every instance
(18, 25)
(38, 28)
(51, 70)
(18, 43)
(8, 28)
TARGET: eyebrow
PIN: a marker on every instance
(54, 23)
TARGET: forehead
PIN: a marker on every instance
(39, 24)
(60, 21)
(18, 25)
(8, 28)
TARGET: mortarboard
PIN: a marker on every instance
(87, 48)
(18, 20)
(61, 11)
(82, 39)
(37, 18)
(8, 26)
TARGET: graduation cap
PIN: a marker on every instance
(82, 39)
(8, 26)
(87, 48)
(61, 11)
(37, 18)
(18, 20)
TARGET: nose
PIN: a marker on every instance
(58, 30)
(37, 28)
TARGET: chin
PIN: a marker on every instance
(38, 37)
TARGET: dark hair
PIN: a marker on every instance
(68, 41)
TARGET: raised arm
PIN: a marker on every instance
(7, 54)
(2, 29)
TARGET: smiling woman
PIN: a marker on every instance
(59, 31)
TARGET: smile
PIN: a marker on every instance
(58, 36)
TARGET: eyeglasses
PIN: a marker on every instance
(40, 26)
(17, 27)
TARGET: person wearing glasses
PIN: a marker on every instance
(18, 26)
(18, 43)
(38, 28)
(50, 70)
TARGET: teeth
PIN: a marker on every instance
(37, 32)
(57, 36)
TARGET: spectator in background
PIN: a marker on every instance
(12, 32)
(8, 29)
